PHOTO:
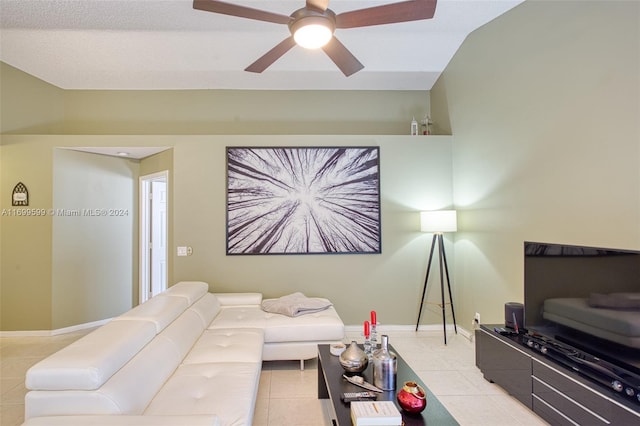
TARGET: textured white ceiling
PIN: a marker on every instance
(166, 44)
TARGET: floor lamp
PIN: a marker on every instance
(439, 222)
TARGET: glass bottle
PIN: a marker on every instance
(385, 366)
(414, 127)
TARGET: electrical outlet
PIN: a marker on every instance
(476, 318)
(185, 251)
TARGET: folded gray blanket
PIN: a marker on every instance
(615, 300)
(295, 304)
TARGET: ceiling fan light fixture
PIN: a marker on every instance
(312, 35)
(311, 28)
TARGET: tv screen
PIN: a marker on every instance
(555, 270)
(583, 295)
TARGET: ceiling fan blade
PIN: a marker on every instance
(318, 4)
(271, 56)
(412, 10)
(221, 7)
(341, 56)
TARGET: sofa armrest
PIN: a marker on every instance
(234, 299)
(124, 420)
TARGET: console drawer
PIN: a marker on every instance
(549, 413)
(582, 415)
(580, 394)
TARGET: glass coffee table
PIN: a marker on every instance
(331, 385)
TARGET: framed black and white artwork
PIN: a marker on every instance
(303, 200)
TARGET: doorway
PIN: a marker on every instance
(154, 195)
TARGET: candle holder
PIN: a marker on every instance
(367, 340)
(374, 330)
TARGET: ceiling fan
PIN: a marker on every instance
(313, 26)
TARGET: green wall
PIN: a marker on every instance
(29, 105)
(25, 269)
(544, 105)
(95, 198)
(243, 112)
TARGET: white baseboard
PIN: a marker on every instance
(382, 328)
(56, 332)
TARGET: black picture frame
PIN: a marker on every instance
(303, 200)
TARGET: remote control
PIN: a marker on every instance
(505, 332)
(358, 396)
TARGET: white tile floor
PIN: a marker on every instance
(287, 396)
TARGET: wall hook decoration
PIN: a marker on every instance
(20, 196)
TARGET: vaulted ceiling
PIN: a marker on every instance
(167, 44)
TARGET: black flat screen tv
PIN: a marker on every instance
(564, 286)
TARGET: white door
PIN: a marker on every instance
(158, 237)
(154, 196)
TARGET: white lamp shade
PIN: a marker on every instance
(439, 221)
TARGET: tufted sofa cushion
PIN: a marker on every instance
(240, 316)
(227, 345)
(228, 389)
(319, 326)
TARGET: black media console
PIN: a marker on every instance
(561, 384)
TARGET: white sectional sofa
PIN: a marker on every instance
(185, 357)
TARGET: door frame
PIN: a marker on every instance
(144, 232)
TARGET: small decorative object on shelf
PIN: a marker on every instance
(385, 366)
(426, 125)
(367, 340)
(374, 331)
(412, 398)
(414, 127)
(353, 359)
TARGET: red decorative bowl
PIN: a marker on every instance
(412, 398)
